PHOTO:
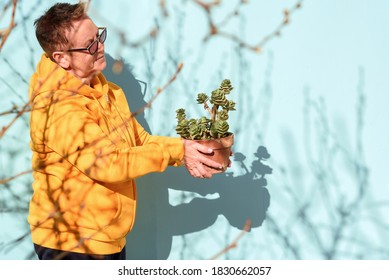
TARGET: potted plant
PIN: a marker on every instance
(212, 131)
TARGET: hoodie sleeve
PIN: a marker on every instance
(74, 133)
(171, 144)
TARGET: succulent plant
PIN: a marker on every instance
(208, 128)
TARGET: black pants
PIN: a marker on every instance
(52, 254)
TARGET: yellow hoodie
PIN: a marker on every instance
(86, 152)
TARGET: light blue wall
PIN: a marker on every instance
(314, 98)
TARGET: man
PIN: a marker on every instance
(87, 148)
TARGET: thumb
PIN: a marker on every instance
(204, 149)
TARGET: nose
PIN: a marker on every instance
(100, 48)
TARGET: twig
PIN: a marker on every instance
(18, 115)
(14, 110)
(207, 6)
(162, 4)
(5, 33)
(124, 41)
(214, 30)
(282, 25)
(234, 243)
(159, 91)
(6, 180)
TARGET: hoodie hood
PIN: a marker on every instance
(49, 77)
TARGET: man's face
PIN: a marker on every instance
(82, 64)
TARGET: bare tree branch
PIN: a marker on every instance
(5, 32)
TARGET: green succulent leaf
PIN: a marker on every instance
(223, 115)
(192, 122)
(213, 132)
(230, 105)
(180, 114)
(218, 98)
(226, 86)
(204, 122)
(182, 129)
(194, 131)
(202, 98)
(221, 127)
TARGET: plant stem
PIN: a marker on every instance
(206, 107)
(214, 113)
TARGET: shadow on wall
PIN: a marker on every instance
(240, 198)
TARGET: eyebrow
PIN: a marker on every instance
(90, 40)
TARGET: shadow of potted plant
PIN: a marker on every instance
(213, 131)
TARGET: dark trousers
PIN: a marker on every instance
(52, 254)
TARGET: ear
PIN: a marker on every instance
(62, 59)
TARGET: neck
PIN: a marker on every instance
(84, 80)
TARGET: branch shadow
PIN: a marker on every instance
(239, 198)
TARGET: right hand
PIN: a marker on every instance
(194, 159)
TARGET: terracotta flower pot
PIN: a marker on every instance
(221, 151)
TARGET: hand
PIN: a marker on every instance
(194, 159)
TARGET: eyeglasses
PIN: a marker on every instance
(94, 46)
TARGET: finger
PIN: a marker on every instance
(201, 174)
(203, 149)
(198, 171)
(196, 174)
(204, 171)
(207, 175)
(195, 170)
(211, 163)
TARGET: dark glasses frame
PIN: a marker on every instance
(100, 38)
